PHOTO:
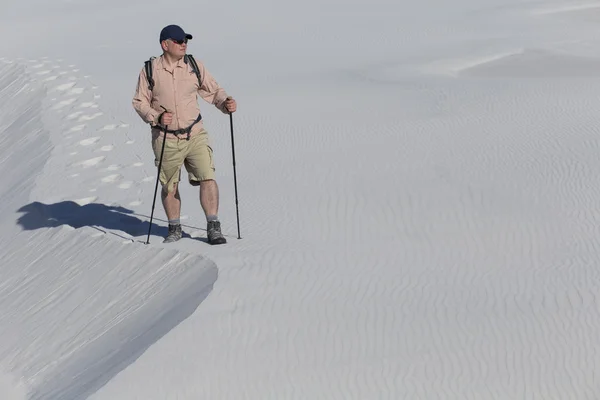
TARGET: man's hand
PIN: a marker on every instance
(166, 118)
(230, 104)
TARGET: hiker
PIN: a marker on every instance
(166, 97)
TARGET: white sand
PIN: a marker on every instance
(418, 196)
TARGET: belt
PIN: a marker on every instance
(187, 130)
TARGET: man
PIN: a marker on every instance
(171, 107)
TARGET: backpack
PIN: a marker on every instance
(188, 59)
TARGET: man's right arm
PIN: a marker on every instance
(142, 101)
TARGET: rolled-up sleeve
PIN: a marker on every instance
(211, 91)
(142, 100)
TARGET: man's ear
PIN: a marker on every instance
(163, 44)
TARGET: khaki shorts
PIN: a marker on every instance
(196, 154)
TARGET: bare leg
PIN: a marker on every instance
(209, 197)
(172, 203)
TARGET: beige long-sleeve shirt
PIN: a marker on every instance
(176, 88)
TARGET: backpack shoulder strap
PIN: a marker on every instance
(148, 69)
(195, 68)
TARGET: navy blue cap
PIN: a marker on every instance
(173, 32)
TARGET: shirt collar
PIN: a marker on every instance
(180, 64)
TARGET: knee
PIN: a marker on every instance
(173, 192)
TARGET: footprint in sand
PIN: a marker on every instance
(113, 167)
(112, 178)
(130, 142)
(65, 86)
(88, 104)
(64, 103)
(74, 115)
(91, 162)
(90, 117)
(110, 127)
(88, 142)
(125, 185)
(148, 179)
(77, 128)
(107, 148)
(135, 203)
(138, 164)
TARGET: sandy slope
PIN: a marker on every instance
(436, 242)
(419, 221)
(76, 305)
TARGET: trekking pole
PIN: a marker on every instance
(157, 178)
(234, 175)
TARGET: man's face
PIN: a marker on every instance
(175, 48)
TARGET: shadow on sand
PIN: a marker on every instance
(38, 215)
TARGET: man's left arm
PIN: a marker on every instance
(213, 93)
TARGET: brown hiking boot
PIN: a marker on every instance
(174, 235)
(213, 233)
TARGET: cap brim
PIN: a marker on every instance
(188, 36)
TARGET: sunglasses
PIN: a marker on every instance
(179, 41)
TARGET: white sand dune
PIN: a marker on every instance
(77, 305)
(453, 67)
(574, 7)
(418, 195)
(69, 329)
(536, 64)
(584, 13)
(12, 389)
